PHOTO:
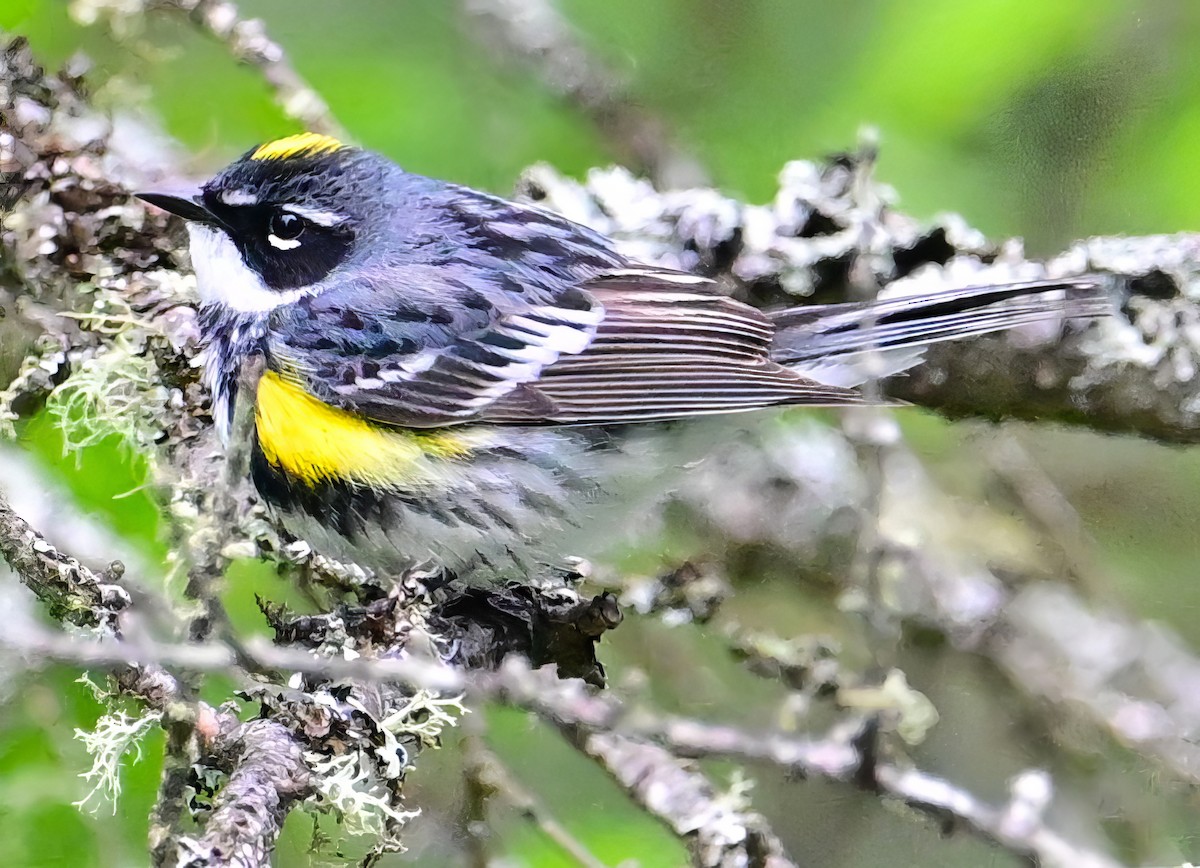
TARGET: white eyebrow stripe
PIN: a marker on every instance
(239, 197)
(321, 218)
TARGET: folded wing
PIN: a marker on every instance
(639, 345)
(667, 348)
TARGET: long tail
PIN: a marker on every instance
(846, 344)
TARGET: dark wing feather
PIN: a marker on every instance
(817, 332)
(668, 347)
(444, 376)
(847, 344)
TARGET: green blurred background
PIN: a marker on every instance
(1047, 120)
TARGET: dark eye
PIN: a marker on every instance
(286, 226)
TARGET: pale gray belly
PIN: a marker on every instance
(521, 510)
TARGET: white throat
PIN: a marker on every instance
(222, 278)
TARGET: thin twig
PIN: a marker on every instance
(477, 790)
(871, 430)
(218, 657)
(842, 757)
(248, 42)
(1047, 510)
(487, 776)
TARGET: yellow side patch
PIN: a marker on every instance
(299, 145)
(312, 441)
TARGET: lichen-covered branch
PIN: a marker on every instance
(267, 775)
(71, 591)
(719, 829)
(1133, 372)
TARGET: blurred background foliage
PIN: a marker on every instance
(1051, 121)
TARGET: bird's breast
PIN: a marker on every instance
(500, 499)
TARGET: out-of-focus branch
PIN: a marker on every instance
(1017, 826)
(485, 777)
(247, 40)
(871, 430)
(1135, 680)
(1132, 680)
(1047, 509)
(220, 658)
(535, 34)
(642, 750)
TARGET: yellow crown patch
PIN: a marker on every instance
(299, 145)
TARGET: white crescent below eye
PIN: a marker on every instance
(283, 243)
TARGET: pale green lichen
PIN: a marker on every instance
(355, 785)
(99, 692)
(424, 715)
(35, 375)
(737, 797)
(911, 713)
(115, 735)
(118, 392)
(349, 786)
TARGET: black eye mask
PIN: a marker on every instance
(304, 253)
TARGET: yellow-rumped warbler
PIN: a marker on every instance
(442, 368)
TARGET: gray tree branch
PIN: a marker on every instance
(125, 353)
(267, 774)
(642, 750)
(71, 591)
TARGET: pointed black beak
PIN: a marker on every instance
(185, 203)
